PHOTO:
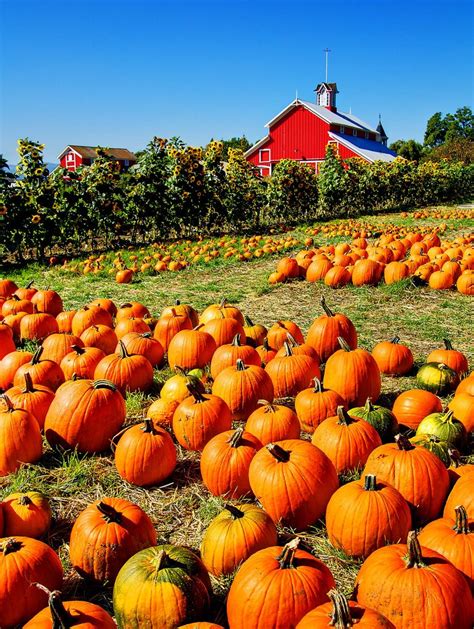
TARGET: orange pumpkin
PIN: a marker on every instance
(326, 329)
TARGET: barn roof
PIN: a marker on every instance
(90, 152)
(369, 149)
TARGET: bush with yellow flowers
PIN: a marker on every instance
(245, 198)
(292, 193)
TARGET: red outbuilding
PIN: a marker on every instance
(303, 130)
(75, 155)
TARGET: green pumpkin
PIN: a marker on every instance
(437, 378)
(444, 426)
(441, 449)
(161, 587)
(381, 418)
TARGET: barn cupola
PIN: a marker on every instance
(326, 95)
(381, 132)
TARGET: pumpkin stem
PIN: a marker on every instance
(414, 556)
(326, 308)
(145, 335)
(104, 384)
(448, 415)
(10, 546)
(24, 500)
(318, 388)
(15, 298)
(403, 442)
(236, 340)
(278, 452)
(344, 419)
(8, 402)
(148, 426)
(30, 284)
(79, 350)
(109, 513)
(241, 365)
(447, 344)
(223, 302)
(269, 407)
(37, 355)
(288, 350)
(248, 321)
(61, 618)
(455, 457)
(341, 614)
(235, 513)
(29, 387)
(291, 340)
(197, 395)
(287, 556)
(236, 437)
(123, 350)
(343, 344)
(370, 482)
(180, 370)
(161, 560)
(462, 525)
(265, 344)
(369, 407)
(395, 340)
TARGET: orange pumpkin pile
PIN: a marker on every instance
(73, 389)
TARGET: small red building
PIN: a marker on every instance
(303, 130)
(74, 156)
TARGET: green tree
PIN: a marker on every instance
(456, 150)
(292, 193)
(436, 129)
(460, 125)
(245, 196)
(332, 182)
(235, 143)
(409, 149)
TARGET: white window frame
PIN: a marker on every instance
(342, 129)
(70, 157)
(354, 132)
(366, 135)
(260, 155)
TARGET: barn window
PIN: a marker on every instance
(366, 135)
(264, 155)
(70, 157)
(354, 132)
(342, 129)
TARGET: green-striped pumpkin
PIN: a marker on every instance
(381, 418)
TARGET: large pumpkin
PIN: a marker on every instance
(365, 515)
(129, 372)
(227, 355)
(23, 562)
(34, 398)
(81, 362)
(161, 588)
(168, 327)
(393, 358)
(291, 373)
(353, 374)
(394, 579)
(90, 315)
(461, 494)
(324, 332)
(273, 422)
(225, 463)
(315, 404)
(36, 327)
(419, 476)
(145, 454)
(462, 406)
(20, 438)
(56, 346)
(293, 480)
(100, 336)
(45, 372)
(453, 358)
(234, 535)
(144, 345)
(223, 330)
(410, 407)
(71, 421)
(48, 301)
(276, 587)
(191, 349)
(105, 535)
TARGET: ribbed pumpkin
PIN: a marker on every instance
(462, 406)
(278, 333)
(144, 345)
(453, 537)
(34, 398)
(381, 418)
(191, 349)
(100, 336)
(255, 332)
(15, 305)
(444, 426)
(72, 419)
(24, 561)
(298, 348)
(418, 475)
(223, 330)
(145, 454)
(132, 309)
(367, 272)
(241, 387)
(81, 362)
(266, 352)
(347, 441)
(9, 365)
(7, 288)
(276, 587)
(365, 515)
(58, 345)
(316, 404)
(317, 270)
(234, 535)
(223, 309)
(64, 321)
(439, 448)
(200, 417)
(105, 304)
(133, 324)
(291, 373)
(437, 378)
(180, 308)
(175, 389)
(44, 372)
(293, 480)
(161, 587)
(461, 494)
(227, 355)
(161, 411)
(448, 356)
(7, 343)
(36, 327)
(27, 291)
(393, 358)
(410, 407)
(341, 613)
(325, 330)
(394, 579)
(90, 315)
(20, 438)
(48, 301)
(64, 614)
(105, 535)
(353, 374)
(27, 514)
(273, 422)
(129, 372)
(466, 385)
(225, 463)
(167, 327)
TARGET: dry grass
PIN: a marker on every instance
(182, 507)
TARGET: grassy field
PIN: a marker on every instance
(182, 508)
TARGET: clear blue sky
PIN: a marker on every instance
(118, 72)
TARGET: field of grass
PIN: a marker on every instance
(182, 508)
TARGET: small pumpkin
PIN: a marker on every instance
(462, 406)
(191, 349)
(58, 345)
(129, 372)
(444, 426)
(278, 333)
(20, 438)
(325, 330)
(393, 358)
(81, 361)
(45, 372)
(7, 344)
(100, 336)
(461, 494)
(410, 407)
(48, 301)
(441, 449)
(255, 332)
(27, 514)
(273, 422)
(291, 373)
(437, 378)
(9, 365)
(381, 418)
(449, 356)
(227, 355)
(161, 411)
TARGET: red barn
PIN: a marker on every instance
(303, 130)
(74, 156)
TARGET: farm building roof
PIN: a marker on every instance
(90, 152)
(369, 149)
